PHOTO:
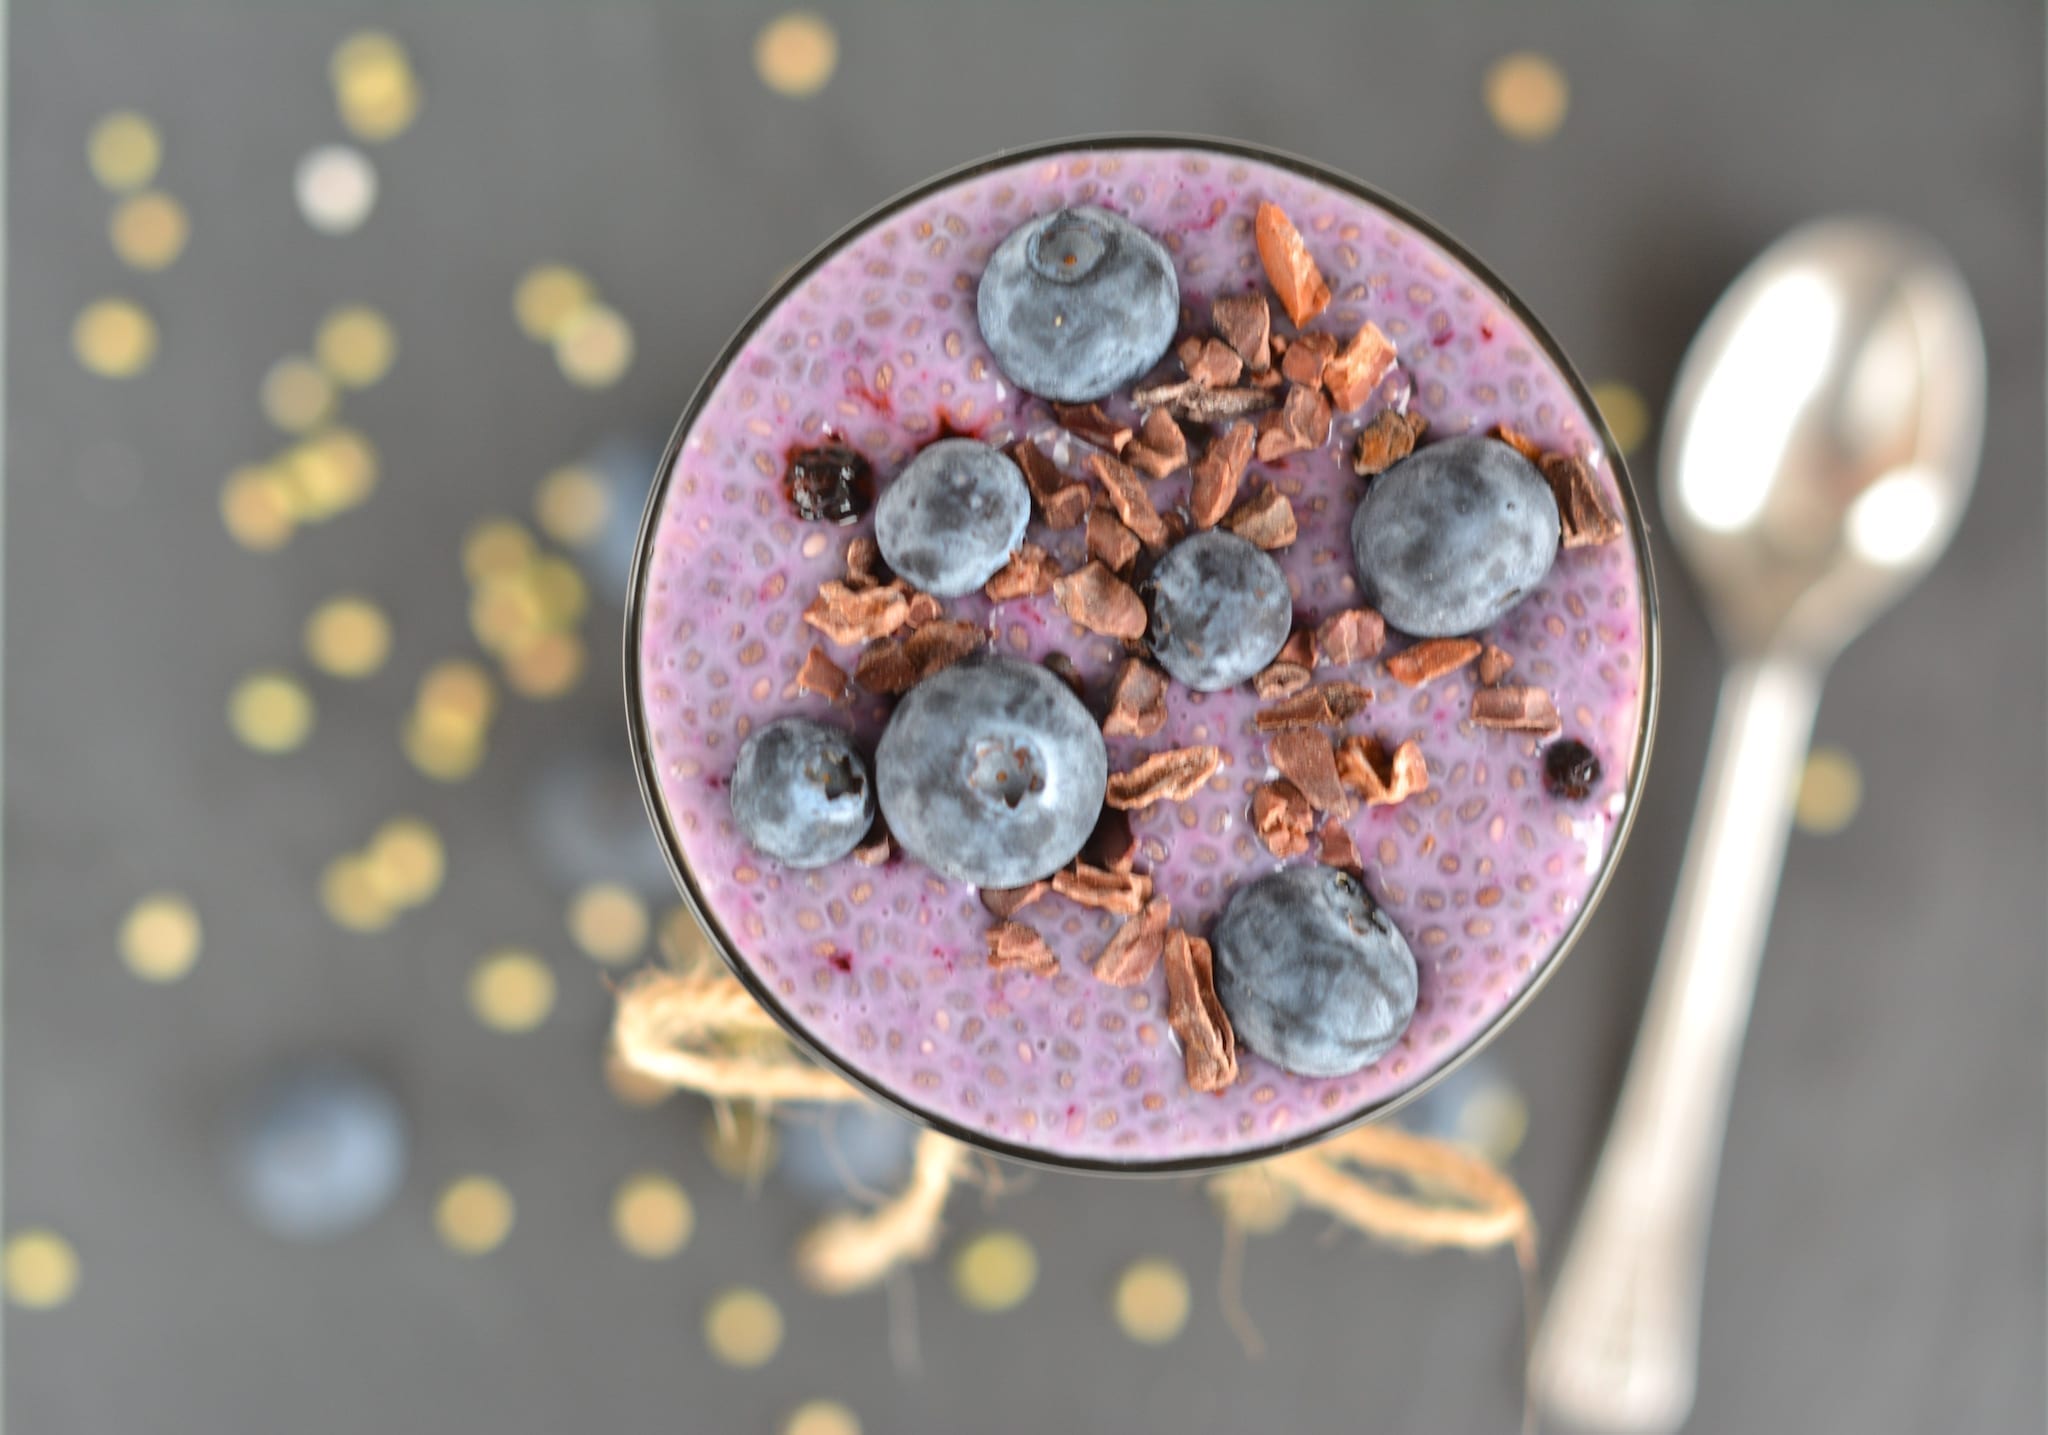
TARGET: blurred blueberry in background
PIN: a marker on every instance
(845, 1154)
(318, 1152)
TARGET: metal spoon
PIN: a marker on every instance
(1821, 444)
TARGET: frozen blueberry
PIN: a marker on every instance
(1315, 977)
(992, 772)
(1220, 610)
(318, 1152)
(953, 516)
(801, 794)
(831, 483)
(1571, 770)
(1453, 536)
(1075, 305)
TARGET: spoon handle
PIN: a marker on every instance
(1618, 1347)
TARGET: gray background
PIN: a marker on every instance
(1877, 1257)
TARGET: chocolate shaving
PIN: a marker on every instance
(1388, 439)
(1127, 495)
(1431, 659)
(1350, 637)
(1366, 767)
(1137, 705)
(1172, 776)
(1029, 573)
(897, 665)
(922, 609)
(1063, 503)
(1337, 848)
(1582, 513)
(1210, 362)
(822, 676)
(1328, 705)
(1302, 423)
(1358, 367)
(1062, 667)
(1306, 759)
(1244, 321)
(863, 562)
(1134, 951)
(1090, 424)
(1007, 902)
(1101, 602)
(1067, 506)
(1218, 473)
(1014, 947)
(1520, 442)
(1303, 362)
(1120, 892)
(1196, 1016)
(1280, 680)
(1109, 542)
(1266, 521)
(1494, 664)
(1515, 708)
(1282, 818)
(1112, 845)
(849, 616)
(1289, 268)
(1160, 447)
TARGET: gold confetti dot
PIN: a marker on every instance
(505, 612)
(571, 506)
(608, 922)
(1628, 417)
(1152, 1301)
(1527, 95)
(560, 590)
(160, 937)
(473, 1215)
(995, 1271)
(511, 991)
(348, 637)
(456, 694)
(1830, 792)
(336, 188)
(114, 338)
(683, 941)
(406, 861)
(743, 1327)
(742, 1145)
(796, 53)
(821, 1417)
(632, 1086)
(256, 509)
(329, 473)
(496, 548)
(270, 712)
(41, 1269)
(296, 395)
(375, 91)
(652, 1216)
(149, 231)
(124, 151)
(351, 897)
(546, 296)
(355, 345)
(594, 346)
(438, 753)
(1250, 1199)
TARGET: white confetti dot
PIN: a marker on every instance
(337, 188)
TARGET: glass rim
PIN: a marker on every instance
(650, 519)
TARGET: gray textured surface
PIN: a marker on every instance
(1877, 1263)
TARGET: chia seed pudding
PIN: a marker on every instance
(1485, 775)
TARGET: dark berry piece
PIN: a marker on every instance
(1571, 769)
(951, 519)
(829, 484)
(801, 793)
(1220, 609)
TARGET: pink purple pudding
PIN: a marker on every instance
(1226, 605)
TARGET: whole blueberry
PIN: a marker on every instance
(1315, 977)
(953, 516)
(801, 794)
(1453, 536)
(318, 1152)
(992, 772)
(1076, 304)
(1220, 610)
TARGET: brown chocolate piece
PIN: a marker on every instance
(1134, 951)
(1282, 818)
(1356, 371)
(1430, 659)
(896, 665)
(1336, 847)
(1128, 497)
(1172, 776)
(1063, 503)
(1302, 423)
(1114, 545)
(1191, 401)
(1494, 664)
(1029, 573)
(1244, 321)
(1101, 602)
(1388, 439)
(923, 608)
(875, 848)
(1265, 521)
(1289, 268)
(1062, 667)
(1306, 759)
(1065, 507)
(1300, 647)
(848, 616)
(1007, 902)
(1160, 447)
(1350, 637)
(822, 676)
(1303, 362)
(1280, 680)
(1112, 845)
(1090, 424)
(1121, 892)
(1137, 705)
(1327, 705)
(863, 562)
(1195, 1014)
(1582, 513)
(1218, 473)
(1210, 362)
(1014, 947)
(1366, 767)
(1520, 442)
(1516, 708)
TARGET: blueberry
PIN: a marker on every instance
(992, 772)
(801, 794)
(829, 484)
(1075, 305)
(1453, 536)
(1315, 977)
(319, 1152)
(953, 517)
(1220, 610)
(1570, 769)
